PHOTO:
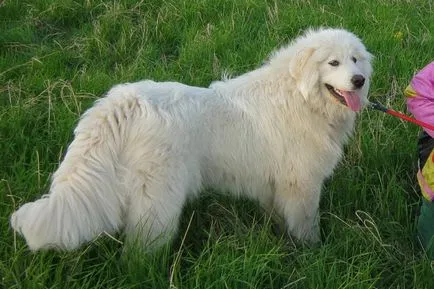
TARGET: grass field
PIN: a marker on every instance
(57, 57)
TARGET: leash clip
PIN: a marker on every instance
(378, 106)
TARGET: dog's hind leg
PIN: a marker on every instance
(86, 197)
(154, 209)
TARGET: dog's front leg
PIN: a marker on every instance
(299, 206)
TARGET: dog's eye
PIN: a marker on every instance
(354, 59)
(334, 63)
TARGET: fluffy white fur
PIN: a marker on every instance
(273, 134)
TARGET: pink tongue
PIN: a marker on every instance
(352, 99)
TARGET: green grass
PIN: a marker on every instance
(57, 57)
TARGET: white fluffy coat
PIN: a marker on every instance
(273, 134)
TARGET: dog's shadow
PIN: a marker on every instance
(216, 215)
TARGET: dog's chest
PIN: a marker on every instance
(315, 151)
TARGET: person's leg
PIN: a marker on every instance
(425, 221)
(425, 227)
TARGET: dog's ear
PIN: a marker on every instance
(303, 69)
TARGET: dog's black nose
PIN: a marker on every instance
(358, 80)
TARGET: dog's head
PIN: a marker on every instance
(332, 66)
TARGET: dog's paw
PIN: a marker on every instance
(313, 240)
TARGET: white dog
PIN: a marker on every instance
(273, 134)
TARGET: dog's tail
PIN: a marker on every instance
(86, 196)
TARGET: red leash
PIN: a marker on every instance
(380, 107)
